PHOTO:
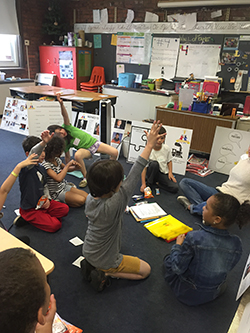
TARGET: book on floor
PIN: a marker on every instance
(148, 211)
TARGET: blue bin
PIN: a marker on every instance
(201, 107)
(126, 80)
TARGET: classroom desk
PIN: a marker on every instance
(203, 125)
(5, 89)
(34, 92)
(8, 241)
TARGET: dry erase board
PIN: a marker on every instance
(106, 56)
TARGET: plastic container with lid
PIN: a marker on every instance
(2, 76)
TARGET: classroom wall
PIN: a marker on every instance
(32, 14)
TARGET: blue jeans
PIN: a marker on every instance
(197, 193)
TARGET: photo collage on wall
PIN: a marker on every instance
(230, 45)
(15, 117)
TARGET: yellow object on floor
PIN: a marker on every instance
(167, 227)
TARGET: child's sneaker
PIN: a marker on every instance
(184, 201)
(71, 184)
(86, 269)
(99, 280)
(83, 183)
(19, 221)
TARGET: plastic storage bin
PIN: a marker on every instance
(201, 107)
(126, 80)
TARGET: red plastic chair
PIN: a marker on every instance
(97, 79)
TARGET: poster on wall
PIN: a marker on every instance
(133, 47)
(178, 139)
(15, 118)
(84, 62)
(66, 65)
(228, 147)
(164, 56)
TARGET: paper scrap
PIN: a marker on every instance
(151, 17)
(96, 16)
(114, 40)
(120, 69)
(104, 16)
(130, 16)
(77, 262)
(98, 41)
(218, 13)
(76, 241)
(16, 211)
(75, 98)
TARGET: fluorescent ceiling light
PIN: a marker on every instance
(179, 4)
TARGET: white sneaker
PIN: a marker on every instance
(71, 184)
(83, 183)
(184, 201)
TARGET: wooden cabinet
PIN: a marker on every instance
(70, 73)
(203, 125)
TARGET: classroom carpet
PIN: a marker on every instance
(126, 306)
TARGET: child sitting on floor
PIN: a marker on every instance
(104, 209)
(59, 188)
(85, 144)
(159, 169)
(198, 264)
(33, 186)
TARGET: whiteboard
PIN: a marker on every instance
(164, 56)
(199, 59)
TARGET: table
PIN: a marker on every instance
(75, 96)
(5, 89)
(203, 125)
(8, 241)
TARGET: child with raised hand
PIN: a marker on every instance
(85, 144)
(199, 262)
(59, 188)
(10, 180)
(159, 168)
(33, 186)
(105, 205)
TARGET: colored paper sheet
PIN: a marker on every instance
(97, 41)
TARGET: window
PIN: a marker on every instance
(9, 51)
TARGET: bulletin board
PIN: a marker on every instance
(106, 56)
(235, 58)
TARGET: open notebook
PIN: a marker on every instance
(147, 212)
